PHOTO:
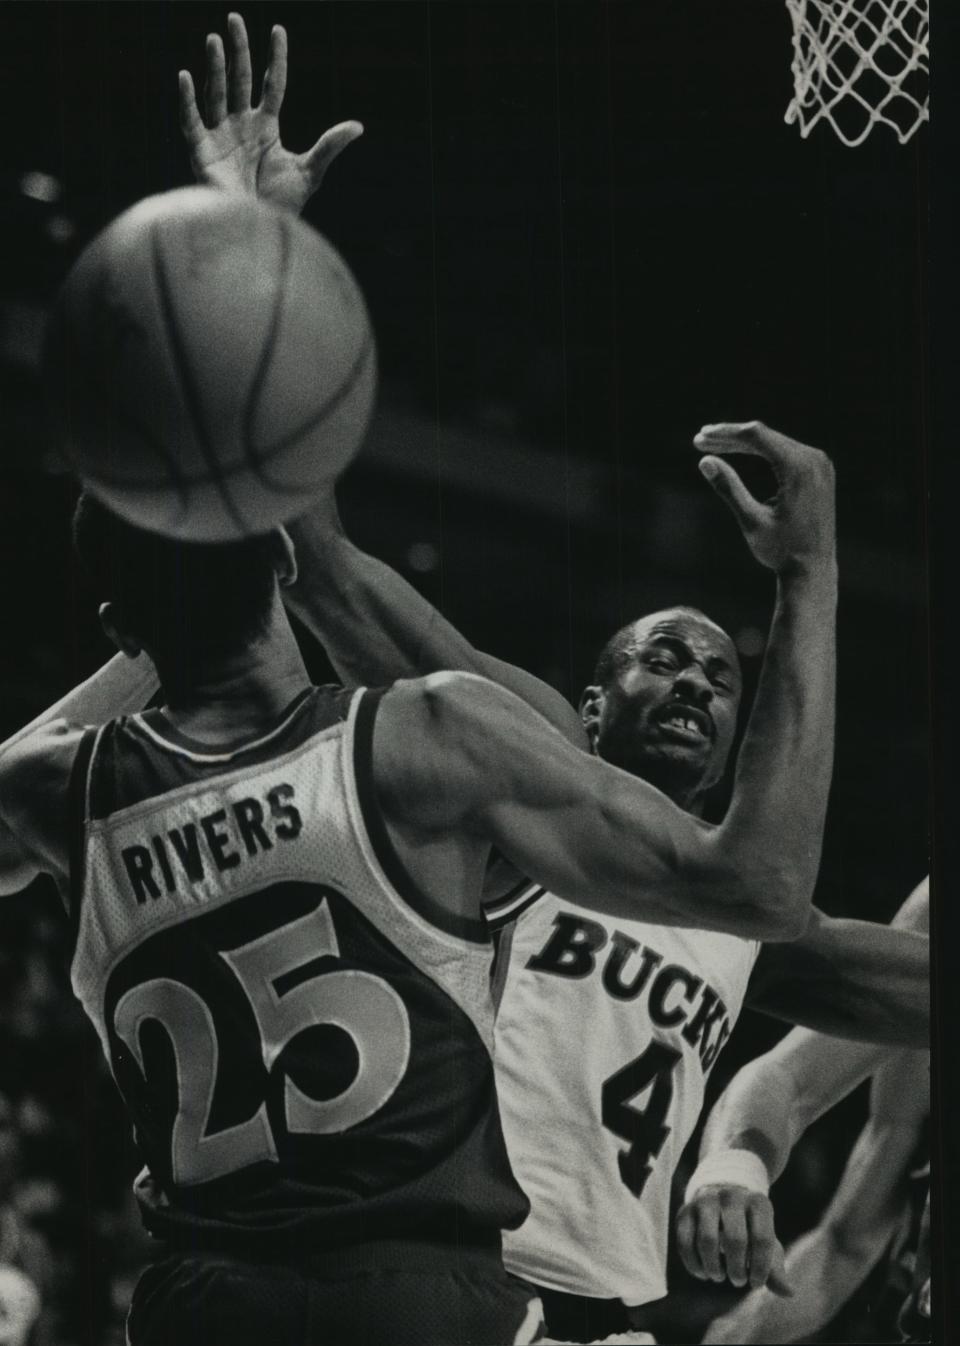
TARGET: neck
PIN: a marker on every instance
(668, 778)
(221, 698)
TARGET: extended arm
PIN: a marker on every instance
(853, 979)
(785, 764)
(120, 686)
(486, 766)
(374, 625)
(827, 1265)
(765, 1110)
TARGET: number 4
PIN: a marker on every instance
(643, 1127)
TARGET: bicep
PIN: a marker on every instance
(538, 695)
(458, 752)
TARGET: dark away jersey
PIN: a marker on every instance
(303, 1041)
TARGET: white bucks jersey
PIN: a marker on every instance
(605, 1033)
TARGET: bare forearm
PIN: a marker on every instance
(782, 781)
(376, 627)
(758, 1112)
(851, 979)
(827, 1265)
(121, 686)
(822, 1277)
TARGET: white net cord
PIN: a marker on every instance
(857, 63)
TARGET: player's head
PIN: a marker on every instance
(664, 699)
(187, 604)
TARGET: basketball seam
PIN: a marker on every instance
(222, 473)
(253, 398)
(191, 394)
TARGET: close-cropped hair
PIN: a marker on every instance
(175, 597)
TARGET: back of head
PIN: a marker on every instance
(186, 603)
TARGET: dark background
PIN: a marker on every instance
(583, 231)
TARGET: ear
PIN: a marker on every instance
(113, 629)
(284, 557)
(591, 711)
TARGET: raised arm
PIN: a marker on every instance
(785, 764)
(374, 625)
(456, 755)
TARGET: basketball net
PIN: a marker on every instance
(857, 63)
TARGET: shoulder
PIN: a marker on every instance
(428, 742)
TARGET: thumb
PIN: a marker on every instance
(317, 160)
(731, 490)
(777, 1281)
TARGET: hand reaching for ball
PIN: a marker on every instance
(238, 147)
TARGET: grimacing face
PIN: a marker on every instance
(669, 713)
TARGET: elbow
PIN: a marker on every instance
(775, 906)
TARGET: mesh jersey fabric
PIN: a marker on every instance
(303, 1049)
(606, 1030)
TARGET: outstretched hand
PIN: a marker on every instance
(238, 146)
(794, 528)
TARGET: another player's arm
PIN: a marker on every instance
(726, 1229)
(457, 755)
(120, 686)
(375, 627)
(785, 764)
(852, 979)
(34, 774)
(826, 1265)
(239, 149)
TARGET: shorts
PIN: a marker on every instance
(581, 1318)
(443, 1297)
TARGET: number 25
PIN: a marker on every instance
(362, 1005)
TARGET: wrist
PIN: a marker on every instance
(729, 1168)
(815, 569)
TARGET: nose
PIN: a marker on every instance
(692, 684)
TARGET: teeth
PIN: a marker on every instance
(681, 722)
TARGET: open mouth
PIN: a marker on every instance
(685, 724)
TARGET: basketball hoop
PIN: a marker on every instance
(857, 63)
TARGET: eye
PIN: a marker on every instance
(661, 663)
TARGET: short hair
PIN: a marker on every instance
(176, 597)
(620, 648)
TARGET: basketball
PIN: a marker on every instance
(210, 365)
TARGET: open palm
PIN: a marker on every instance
(238, 146)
